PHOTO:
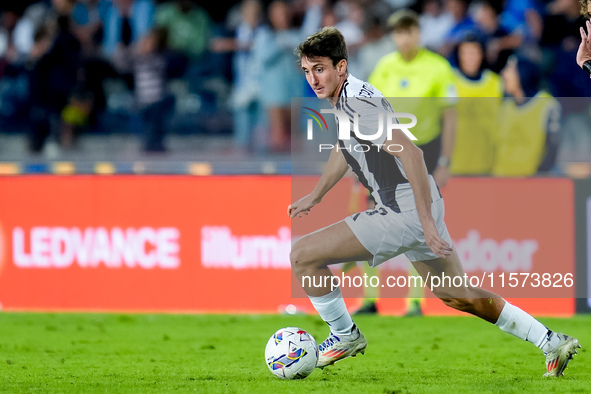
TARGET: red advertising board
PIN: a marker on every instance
(154, 243)
(221, 244)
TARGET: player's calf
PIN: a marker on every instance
(460, 298)
(461, 304)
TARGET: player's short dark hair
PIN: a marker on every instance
(584, 8)
(328, 42)
(403, 19)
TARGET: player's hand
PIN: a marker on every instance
(302, 206)
(434, 241)
(442, 175)
(584, 52)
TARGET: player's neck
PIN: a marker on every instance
(410, 55)
(333, 100)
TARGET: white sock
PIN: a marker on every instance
(515, 321)
(549, 342)
(332, 309)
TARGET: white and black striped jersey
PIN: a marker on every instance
(377, 169)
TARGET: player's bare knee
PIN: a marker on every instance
(300, 257)
(296, 258)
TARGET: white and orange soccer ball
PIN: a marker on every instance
(291, 353)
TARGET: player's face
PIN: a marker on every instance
(324, 78)
(470, 57)
(407, 40)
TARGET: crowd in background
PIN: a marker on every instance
(66, 66)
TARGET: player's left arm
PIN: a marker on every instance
(416, 172)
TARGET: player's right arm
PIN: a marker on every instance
(416, 173)
(335, 169)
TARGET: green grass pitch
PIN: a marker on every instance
(86, 353)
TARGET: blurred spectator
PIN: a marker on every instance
(560, 41)
(463, 24)
(40, 95)
(189, 29)
(75, 116)
(350, 17)
(279, 76)
(188, 24)
(500, 42)
(245, 97)
(528, 133)
(125, 23)
(43, 14)
(88, 101)
(350, 23)
(474, 78)
(87, 23)
(377, 45)
(52, 79)
(16, 41)
(17, 32)
(480, 91)
(329, 17)
(436, 23)
(155, 104)
(16, 38)
(516, 15)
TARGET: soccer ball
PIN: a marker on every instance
(291, 353)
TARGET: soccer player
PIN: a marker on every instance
(409, 220)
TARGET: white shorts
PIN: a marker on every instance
(386, 234)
